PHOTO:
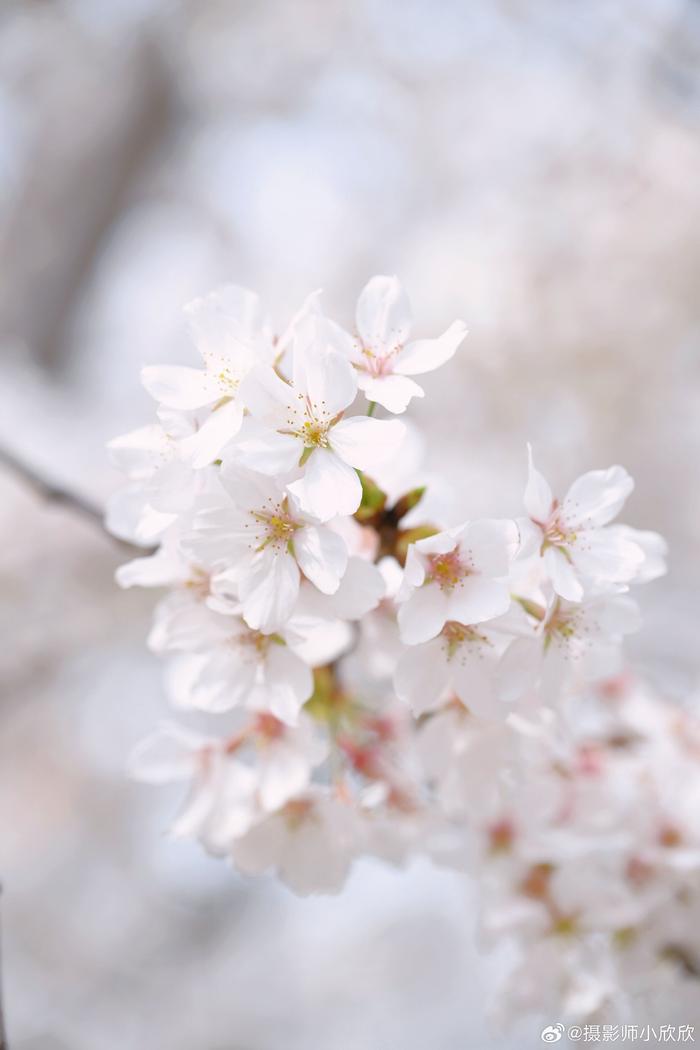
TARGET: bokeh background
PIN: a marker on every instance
(532, 166)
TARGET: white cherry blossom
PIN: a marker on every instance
(232, 335)
(461, 661)
(381, 352)
(373, 681)
(580, 554)
(259, 543)
(574, 641)
(460, 575)
(303, 424)
(311, 844)
(227, 664)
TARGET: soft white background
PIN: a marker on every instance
(530, 165)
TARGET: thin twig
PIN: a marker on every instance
(55, 493)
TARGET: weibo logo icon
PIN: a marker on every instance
(552, 1033)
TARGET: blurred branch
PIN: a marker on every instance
(54, 493)
(3, 1037)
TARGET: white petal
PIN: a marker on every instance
(392, 392)
(206, 444)
(284, 774)
(422, 675)
(602, 555)
(158, 570)
(288, 683)
(327, 379)
(423, 616)
(168, 754)
(361, 589)
(473, 682)
(172, 488)
(260, 847)
(141, 451)
(226, 323)
(538, 494)
(563, 575)
(180, 387)
(424, 355)
(596, 498)
(259, 448)
(130, 516)
(329, 486)
(487, 543)
(344, 343)
(383, 313)
(476, 599)
(322, 556)
(268, 397)
(519, 668)
(617, 615)
(249, 490)
(269, 590)
(653, 547)
(364, 443)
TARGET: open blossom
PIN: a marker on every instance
(380, 351)
(259, 542)
(460, 661)
(574, 640)
(580, 554)
(310, 843)
(460, 575)
(232, 335)
(227, 794)
(226, 664)
(303, 425)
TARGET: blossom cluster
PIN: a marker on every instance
(358, 674)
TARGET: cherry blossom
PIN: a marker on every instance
(581, 640)
(579, 553)
(260, 543)
(376, 681)
(460, 575)
(381, 353)
(303, 424)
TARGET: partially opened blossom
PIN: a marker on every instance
(259, 542)
(580, 554)
(460, 575)
(381, 352)
(575, 641)
(302, 424)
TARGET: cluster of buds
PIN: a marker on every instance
(356, 674)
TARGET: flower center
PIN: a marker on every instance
(456, 634)
(378, 364)
(314, 433)
(447, 570)
(556, 533)
(220, 368)
(278, 527)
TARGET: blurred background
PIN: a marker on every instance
(531, 166)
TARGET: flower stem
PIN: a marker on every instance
(372, 406)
